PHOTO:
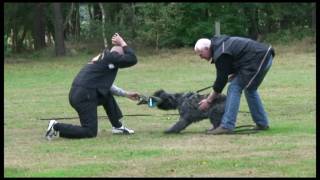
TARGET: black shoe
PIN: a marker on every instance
(259, 127)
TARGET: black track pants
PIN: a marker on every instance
(85, 102)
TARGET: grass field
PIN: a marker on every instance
(39, 88)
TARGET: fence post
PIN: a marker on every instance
(217, 28)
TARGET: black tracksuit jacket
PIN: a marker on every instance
(238, 55)
(102, 73)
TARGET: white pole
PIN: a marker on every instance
(217, 28)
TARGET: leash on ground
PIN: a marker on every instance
(245, 129)
(67, 118)
(161, 115)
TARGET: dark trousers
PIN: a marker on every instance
(85, 101)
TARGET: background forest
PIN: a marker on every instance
(35, 26)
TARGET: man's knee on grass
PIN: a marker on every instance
(91, 133)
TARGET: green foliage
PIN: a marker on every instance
(91, 31)
(163, 25)
(288, 36)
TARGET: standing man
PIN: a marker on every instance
(247, 61)
(93, 86)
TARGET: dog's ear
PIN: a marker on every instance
(158, 93)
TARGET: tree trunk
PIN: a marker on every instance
(314, 15)
(14, 37)
(20, 40)
(284, 22)
(90, 11)
(50, 30)
(252, 15)
(76, 23)
(58, 28)
(91, 20)
(38, 32)
(97, 14)
(157, 41)
(17, 41)
(67, 25)
(103, 24)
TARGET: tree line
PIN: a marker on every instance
(34, 26)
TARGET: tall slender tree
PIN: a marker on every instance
(103, 25)
(314, 16)
(58, 28)
(38, 32)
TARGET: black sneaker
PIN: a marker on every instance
(259, 127)
(50, 131)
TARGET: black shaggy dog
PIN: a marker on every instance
(188, 107)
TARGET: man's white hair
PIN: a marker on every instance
(202, 43)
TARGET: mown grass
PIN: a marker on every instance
(38, 88)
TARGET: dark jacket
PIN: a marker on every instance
(238, 55)
(102, 73)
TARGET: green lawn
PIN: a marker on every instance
(39, 88)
